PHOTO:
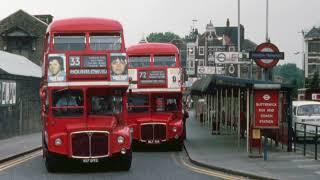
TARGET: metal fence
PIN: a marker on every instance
(21, 118)
(307, 134)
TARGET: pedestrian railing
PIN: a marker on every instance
(308, 133)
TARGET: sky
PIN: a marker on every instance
(287, 18)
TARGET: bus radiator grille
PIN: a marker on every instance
(153, 132)
(80, 144)
(89, 144)
(99, 144)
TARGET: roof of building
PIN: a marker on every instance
(21, 20)
(313, 33)
(210, 82)
(152, 48)
(18, 65)
(85, 23)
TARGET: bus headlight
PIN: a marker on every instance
(174, 129)
(120, 139)
(58, 142)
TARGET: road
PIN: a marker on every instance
(146, 165)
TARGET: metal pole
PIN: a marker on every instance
(267, 20)
(239, 47)
(248, 114)
(239, 91)
(316, 145)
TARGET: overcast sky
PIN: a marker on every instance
(287, 17)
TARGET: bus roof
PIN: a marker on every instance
(84, 24)
(152, 48)
(299, 103)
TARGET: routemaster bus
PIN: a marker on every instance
(155, 94)
(83, 93)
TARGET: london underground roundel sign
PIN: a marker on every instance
(269, 54)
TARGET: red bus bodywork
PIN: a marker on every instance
(155, 84)
(83, 105)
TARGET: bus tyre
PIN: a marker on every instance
(178, 144)
(51, 163)
(124, 161)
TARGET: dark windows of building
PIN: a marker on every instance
(201, 62)
(314, 46)
(201, 50)
(314, 60)
(191, 51)
(20, 45)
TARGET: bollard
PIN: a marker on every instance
(304, 139)
(265, 154)
(295, 136)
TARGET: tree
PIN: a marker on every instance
(291, 74)
(162, 37)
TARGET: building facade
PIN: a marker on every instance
(23, 34)
(202, 48)
(312, 52)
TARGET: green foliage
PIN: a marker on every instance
(162, 37)
(291, 74)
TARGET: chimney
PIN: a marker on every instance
(228, 23)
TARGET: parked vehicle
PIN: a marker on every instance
(306, 112)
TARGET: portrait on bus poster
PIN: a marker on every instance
(119, 67)
(56, 68)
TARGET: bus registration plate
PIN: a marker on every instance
(91, 160)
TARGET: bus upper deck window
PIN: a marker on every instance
(105, 42)
(139, 61)
(169, 61)
(69, 42)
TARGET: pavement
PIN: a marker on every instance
(19, 145)
(221, 152)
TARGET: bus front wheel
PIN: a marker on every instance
(123, 162)
(51, 163)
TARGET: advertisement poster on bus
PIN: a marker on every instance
(57, 68)
(266, 108)
(119, 67)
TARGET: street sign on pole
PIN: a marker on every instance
(226, 57)
(266, 55)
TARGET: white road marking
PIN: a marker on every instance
(19, 160)
(309, 166)
(206, 171)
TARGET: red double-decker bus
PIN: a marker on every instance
(155, 94)
(83, 93)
